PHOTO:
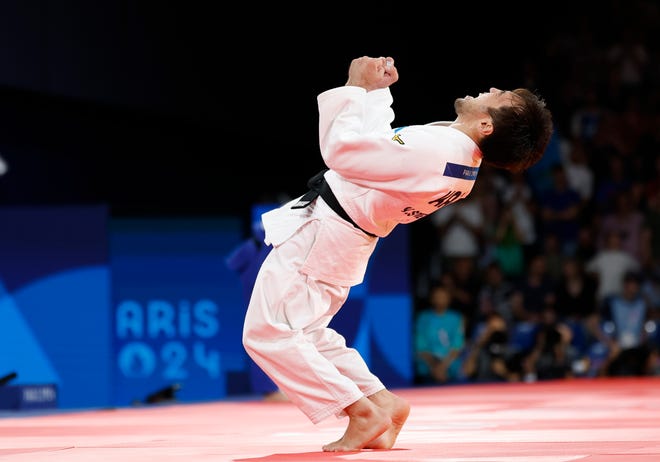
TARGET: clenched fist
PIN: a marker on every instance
(372, 73)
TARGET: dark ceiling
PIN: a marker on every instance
(207, 107)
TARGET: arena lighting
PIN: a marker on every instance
(163, 395)
(8, 378)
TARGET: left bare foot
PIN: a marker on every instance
(367, 421)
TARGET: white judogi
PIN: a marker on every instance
(382, 177)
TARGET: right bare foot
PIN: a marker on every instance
(367, 422)
(398, 409)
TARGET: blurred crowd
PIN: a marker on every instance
(555, 272)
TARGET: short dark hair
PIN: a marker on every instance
(521, 133)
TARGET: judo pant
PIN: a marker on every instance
(286, 333)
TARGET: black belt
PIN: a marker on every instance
(319, 187)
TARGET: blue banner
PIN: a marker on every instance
(54, 301)
(177, 309)
(114, 312)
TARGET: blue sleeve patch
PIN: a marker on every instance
(461, 171)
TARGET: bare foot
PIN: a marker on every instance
(398, 409)
(366, 422)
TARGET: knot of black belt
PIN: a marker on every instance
(319, 187)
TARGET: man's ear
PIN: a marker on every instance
(485, 126)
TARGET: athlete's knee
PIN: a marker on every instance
(247, 341)
(250, 343)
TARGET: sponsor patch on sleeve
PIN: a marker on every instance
(461, 171)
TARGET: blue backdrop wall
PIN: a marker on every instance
(55, 301)
(112, 310)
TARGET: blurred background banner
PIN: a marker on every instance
(54, 301)
(177, 309)
(118, 312)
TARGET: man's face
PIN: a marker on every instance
(479, 104)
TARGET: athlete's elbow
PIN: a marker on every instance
(335, 155)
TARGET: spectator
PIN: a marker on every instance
(518, 197)
(439, 340)
(494, 295)
(609, 265)
(576, 304)
(460, 230)
(586, 244)
(586, 118)
(579, 173)
(625, 220)
(508, 243)
(464, 281)
(536, 290)
(490, 357)
(614, 179)
(553, 256)
(560, 209)
(630, 352)
(553, 354)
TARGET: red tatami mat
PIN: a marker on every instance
(593, 420)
